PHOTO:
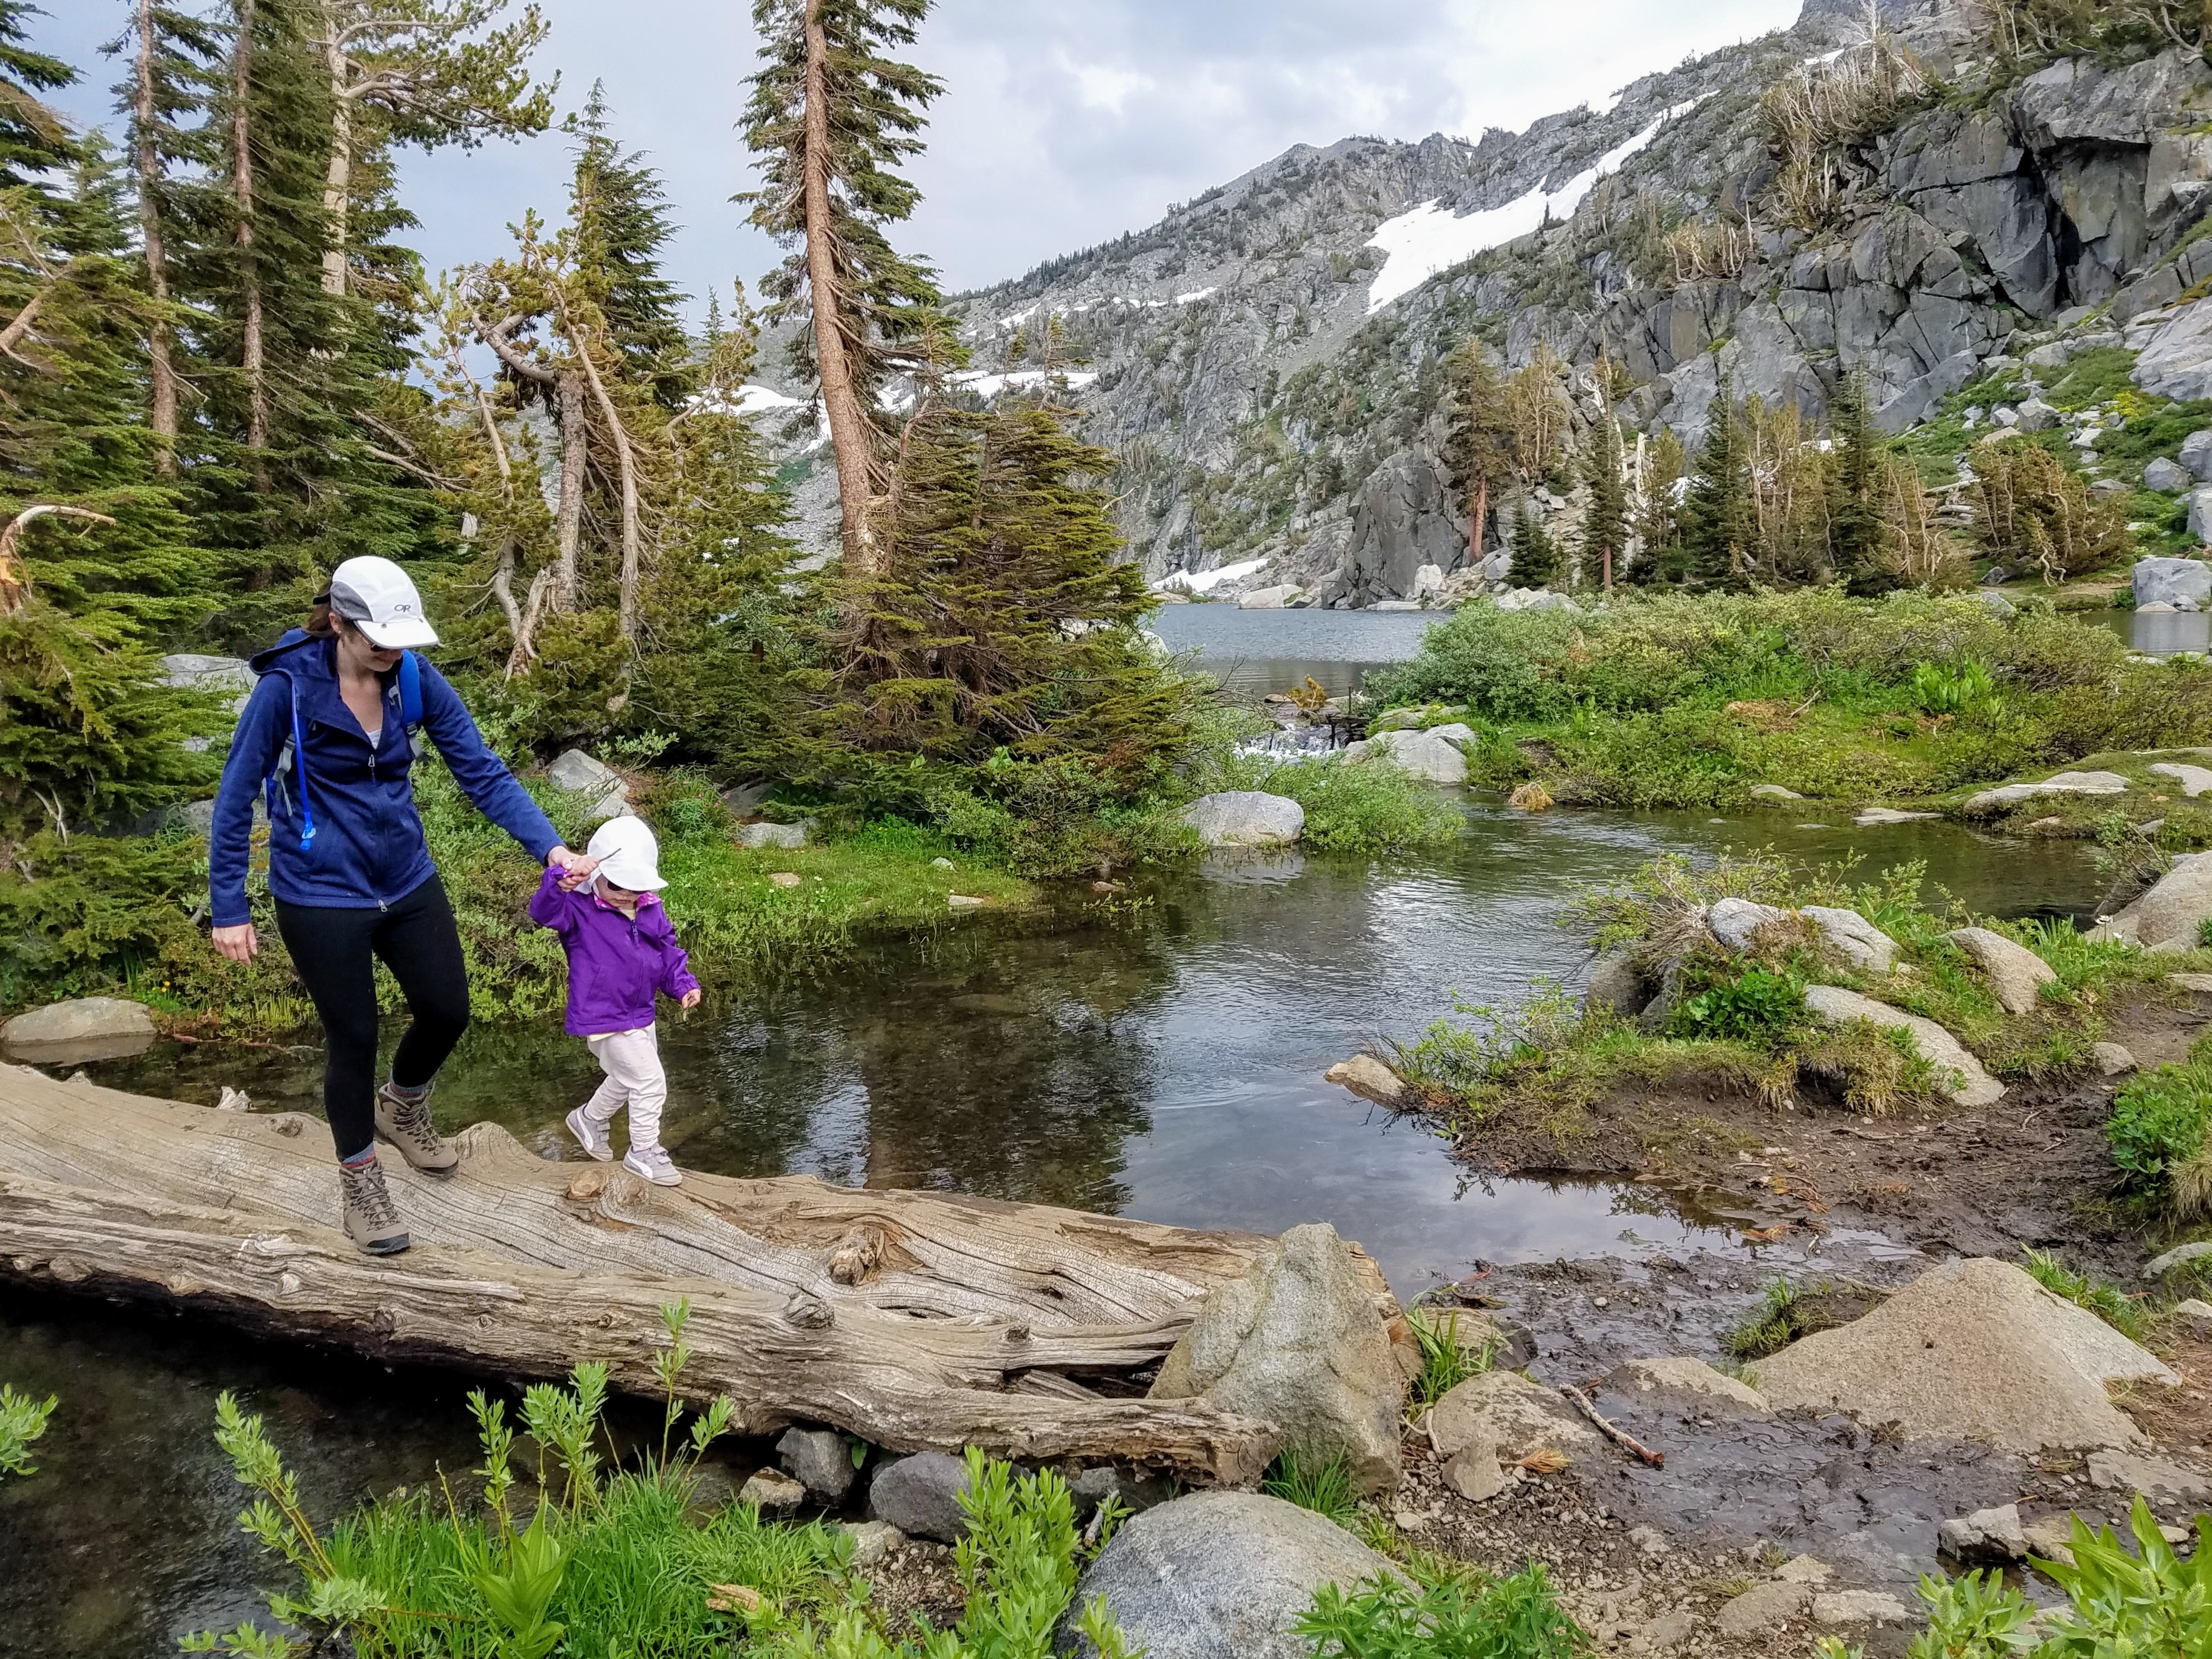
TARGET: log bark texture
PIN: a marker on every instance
(917, 1321)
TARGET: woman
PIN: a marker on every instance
(329, 731)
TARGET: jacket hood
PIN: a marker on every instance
(288, 647)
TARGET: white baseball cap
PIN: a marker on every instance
(628, 854)
(376, 596)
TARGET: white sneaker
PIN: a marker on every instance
(654, 1165)
(593, 1135)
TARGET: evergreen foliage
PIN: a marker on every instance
(1536, 561)
(620, 215)
(1606, 520)
(1855, 528)
(1716, 523)
(1658, 530)
(1479, 441)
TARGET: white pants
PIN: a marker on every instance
(631, 1061)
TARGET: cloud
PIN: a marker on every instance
(1062, 125)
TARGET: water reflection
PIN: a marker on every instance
(2161, 633)
(1255, 652)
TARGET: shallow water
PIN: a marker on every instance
(2161, 633)
(1162, 1060)
(1255, 652)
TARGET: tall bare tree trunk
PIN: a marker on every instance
(1474, 525)
(851, 439)
(337, 182)
(626, 468)
(163, 371)
(250, 346)
(575, 435)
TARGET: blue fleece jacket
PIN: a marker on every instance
(368, 849)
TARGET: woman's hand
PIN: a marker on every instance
(690, 999)
(237, 943)
(579, 867)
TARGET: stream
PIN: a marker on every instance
(1159, 1058)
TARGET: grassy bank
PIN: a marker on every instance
(1739, 1019)
(1692, 701)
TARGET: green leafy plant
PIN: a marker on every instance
(1448, 1617)
(1974, 1615)
(519, 1591)
(1758, 1002)
(1446, 1362)
(1966, 687)
(23, 1421)
(2122, 1312)
(2149, 1601)
(2160, 1137)
(1324, 1488)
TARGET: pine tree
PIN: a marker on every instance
(1478, 443)
(1719, 531)
(1856, 491)
(830, 118)
(1536, 561)
(1658, 530)
(1605, 522)
(620, 215)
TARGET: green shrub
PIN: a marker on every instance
(1446, 1362)
(1445, 1618)
(1965, 688)
(1757, 1004)
(2157, 1136)
(23, 1421)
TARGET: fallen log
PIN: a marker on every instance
(919, 1321)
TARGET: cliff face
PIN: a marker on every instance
(1267, 358)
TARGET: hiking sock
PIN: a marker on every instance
(359, 1160)
(420, 1091)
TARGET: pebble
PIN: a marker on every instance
(783, 878)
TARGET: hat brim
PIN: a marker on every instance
(409, 635)
(647, 881)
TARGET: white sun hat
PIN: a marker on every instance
(628, 854)
(376, 597)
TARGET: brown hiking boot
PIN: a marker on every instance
(406, 1124)
(371, 1219)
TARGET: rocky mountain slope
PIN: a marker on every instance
(1267, 358)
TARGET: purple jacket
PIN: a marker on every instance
(614, 964)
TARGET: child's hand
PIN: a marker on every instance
(690, 999)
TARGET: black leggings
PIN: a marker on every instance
(331, 950)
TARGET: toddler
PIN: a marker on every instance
(622, 950)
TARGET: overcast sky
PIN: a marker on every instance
(1062, 125)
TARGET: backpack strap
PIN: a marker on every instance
(293, 753)
(410, 690)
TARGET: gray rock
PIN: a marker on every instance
(1246, 817)
(2160, 1479)
(188, 672)
(2197, 455)
(1869, 818)
(1134, 1492)
(1428, 757)
(1987, 1538)
(1218, 1575)
(1366, 1076)
(1297, 1340)
(2060, 783)
(2194, 1316)
(787, 836)
(2015, 972)
(1267, 598)
(1963, 1078)
(1618, 983)
(2194, 780)
(1772, 792)
(1844, 1608)
(1733, 921)
(822, 1461)
(2199, 524)
(745, 798)
(1973, 1349)
(2159, 580)
(773, 1493)
(1853, 938)
(921, 1496)
(2037, 415)
(1762, 1608)
(1995, 602)
(2112, 1060)
(2180, 1256)
(2176, 906)
(1687, 1385)
(84, 1028)
(2176, 361)
(874, 1543)
(1508, 1412)
(1401, 519)
(2167, 477)
(581, 775)
(1474, 1472)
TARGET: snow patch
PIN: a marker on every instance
(1019, 317)
(757, 399)
(1826, 57)
(1195, 296)
(990, 386)
(1205, 581)
(1428, 239)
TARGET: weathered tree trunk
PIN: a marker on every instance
(161, 371)
(337, 181)
(852, 439)
(626, 469)
(916, 1319)
(1474, 525)
(568, 592)
(251, 350)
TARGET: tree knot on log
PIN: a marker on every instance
(383, 1321)
(588, 1185)
(856, 1255)
(68, 1269)
(807, 1311)
(1017, 1333)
